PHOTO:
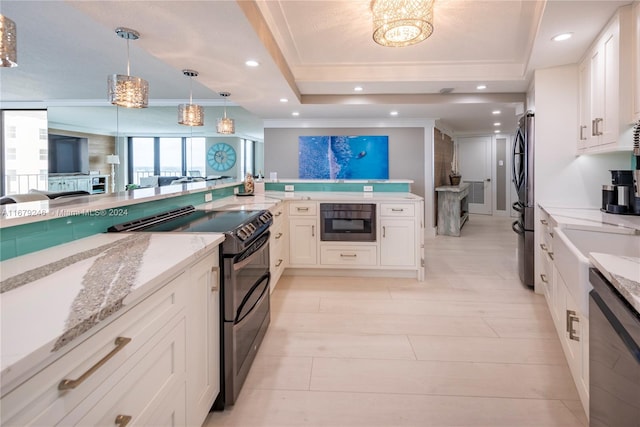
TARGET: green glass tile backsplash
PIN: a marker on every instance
(27, 238)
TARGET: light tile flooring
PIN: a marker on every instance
(469, 346)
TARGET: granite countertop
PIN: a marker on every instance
(594, 219)
(623, 273)
(53, 296)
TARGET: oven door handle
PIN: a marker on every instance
(238, 265)
(267, 277)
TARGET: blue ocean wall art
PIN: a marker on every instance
(343, 157)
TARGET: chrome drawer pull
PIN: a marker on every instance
(543, 277)
(550, 255)
(278, 213)
(279, 263)
(302, 209)
(397, 210)
(543, 247)
(120, 343)
(123, 420)
(544, 221)
(348, 255)
(277, 236)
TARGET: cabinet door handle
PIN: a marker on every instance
(313, 231)
(572, 317)
(123, 420)
(544, 279)
(544, 222)
(384, 231)
(278, 213)
(216, 271)
(279, 263)
(544, 247)
(348, 255)
(598, 121)
(277, 236)
(593, 127)
(582, 137)
(120, 343)
(550, 255)
(302, 209)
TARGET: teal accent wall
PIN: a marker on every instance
(27, 238)
(389, 187)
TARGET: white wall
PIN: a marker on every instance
(563, 179)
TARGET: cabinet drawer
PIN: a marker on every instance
(348, 255)
(39, 400)
(397, 209)
(303, 209)
(159, 372)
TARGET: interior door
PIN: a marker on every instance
(475, 167)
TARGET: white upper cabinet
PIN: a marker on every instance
(605, 76)
(636, 61)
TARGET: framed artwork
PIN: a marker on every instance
(343, 157)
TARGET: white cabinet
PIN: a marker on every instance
(203, 338)
(348, 255)
(136, 369)
(636, 61)
(93, 184)
(397, 235)
(604, 81)
(303, 233)
(278, 244)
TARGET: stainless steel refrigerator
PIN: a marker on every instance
(522, 162)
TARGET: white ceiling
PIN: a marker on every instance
(312, 52)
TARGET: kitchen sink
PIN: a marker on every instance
(571, 257)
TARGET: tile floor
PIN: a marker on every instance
(469, 346)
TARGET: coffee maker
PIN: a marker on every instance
(623, 195)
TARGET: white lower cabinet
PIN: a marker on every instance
(203, 338)
(156, 364)
(397, 242)
(278, 245)
(348, 255)
(303, 241)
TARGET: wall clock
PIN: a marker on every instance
(221, 156)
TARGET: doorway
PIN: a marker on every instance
(475, 167)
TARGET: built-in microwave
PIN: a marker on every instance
(348, 222)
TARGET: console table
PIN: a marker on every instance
(453, 208)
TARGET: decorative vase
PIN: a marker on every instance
(455, 179)
(248, 183)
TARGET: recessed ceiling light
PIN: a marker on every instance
(481, 87)
(562, 37)
(358, 89)
(495, 112)
(251, 63)
(284, 100)
(393, 113)
(496, 124)
(497, 131)
(295, 113)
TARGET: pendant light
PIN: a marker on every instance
(190, 114)
(8, 49)
(128, 91)
(225, 125)
(398, 23)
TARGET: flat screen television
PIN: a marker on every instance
(68, 155)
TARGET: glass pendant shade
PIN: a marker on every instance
(126, 90)
(190, 115)
(398, 23)
(8, 49)
(226, 125)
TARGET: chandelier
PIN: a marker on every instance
(398, 23)
(225, 125)
(190, 114)
(128, 91)
(8, 50)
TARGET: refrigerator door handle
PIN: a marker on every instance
(517, 206)
(517, 227)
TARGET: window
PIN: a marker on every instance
(166, 157)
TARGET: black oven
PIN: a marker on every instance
(348, 222)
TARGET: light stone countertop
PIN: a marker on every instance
(594, 219)
(454, 188)
(52, 297)
(622, 272)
